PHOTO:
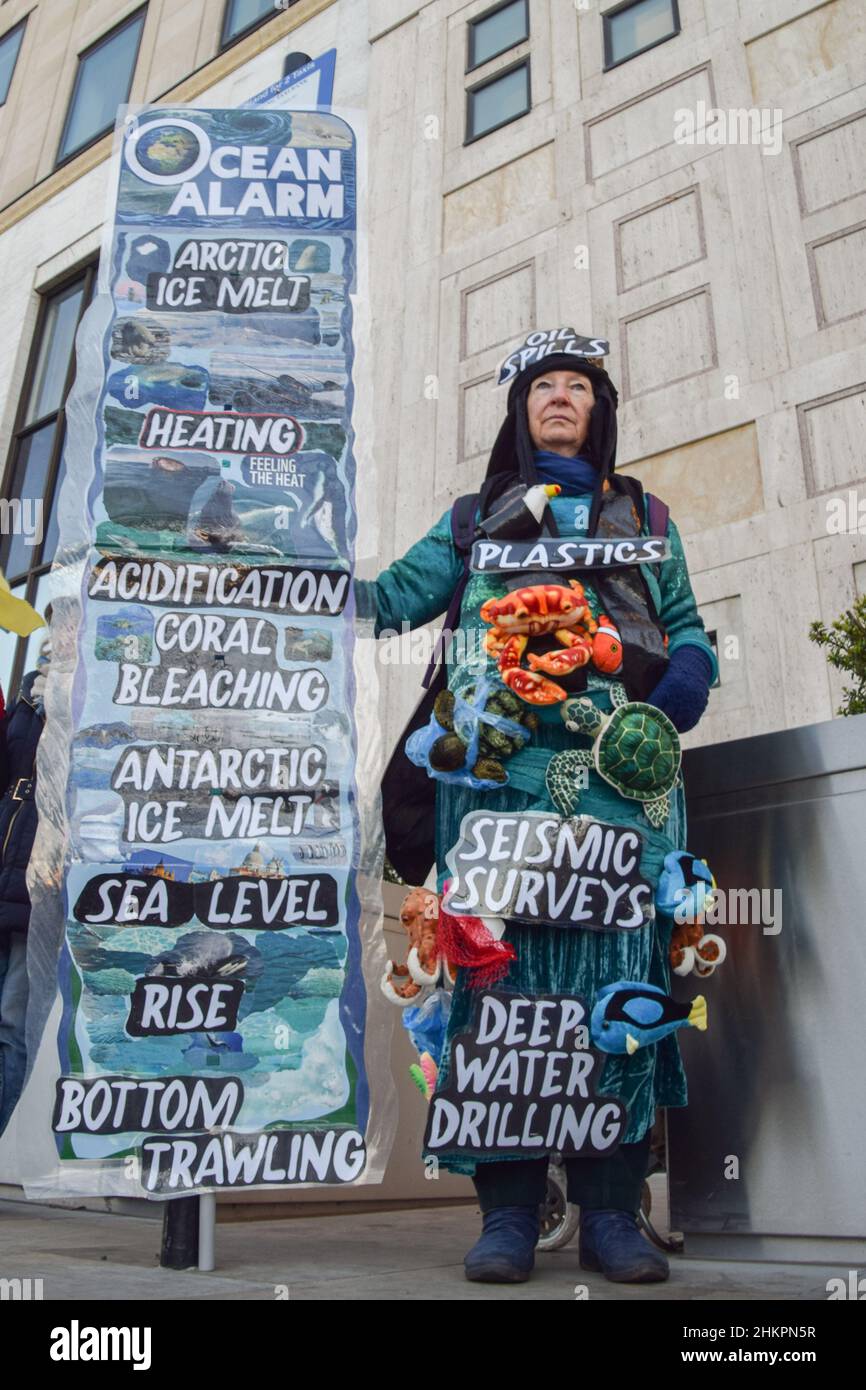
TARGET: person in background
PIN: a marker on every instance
(21, 729)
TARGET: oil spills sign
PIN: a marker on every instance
(520, 1082)
(211, 974)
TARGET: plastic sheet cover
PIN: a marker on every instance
(206, 876)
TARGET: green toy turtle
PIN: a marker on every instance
(636, 749)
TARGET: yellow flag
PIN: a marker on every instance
(16, 614)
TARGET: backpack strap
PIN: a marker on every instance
(463, 523)
(462, 534)
(657, 513)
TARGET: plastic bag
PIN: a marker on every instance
(426, 1023)
(469, 714)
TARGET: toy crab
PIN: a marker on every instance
(543, 610)
(691, 949)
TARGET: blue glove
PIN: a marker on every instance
(684, 689)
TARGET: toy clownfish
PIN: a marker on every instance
(607, 647)
(628, 1015)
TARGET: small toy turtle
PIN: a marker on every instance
(636, 749)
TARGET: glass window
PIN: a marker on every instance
(637, 27)
(9, 47)
(29, 485)
(56, 339)
(102, 84)
(497, 102)
(35, 469)
(241, 15)
(498, 31)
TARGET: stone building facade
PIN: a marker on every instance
(700, 201)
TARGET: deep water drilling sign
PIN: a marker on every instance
(521, 1082)
(214, 1003)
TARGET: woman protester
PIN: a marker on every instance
(560, 431)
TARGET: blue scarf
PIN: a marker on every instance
(576, 476)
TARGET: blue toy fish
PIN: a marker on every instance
(686, 887)
(629, 1015)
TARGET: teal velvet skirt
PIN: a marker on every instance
(574, 960)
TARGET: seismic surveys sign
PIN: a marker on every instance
(532, 866)
(214, 1006)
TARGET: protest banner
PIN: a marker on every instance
(199, 759)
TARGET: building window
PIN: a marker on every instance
(636, 27)
(496, 102)
(242, 15)
(34, 469)
(10, 45)
(496, 32)
(102, 84)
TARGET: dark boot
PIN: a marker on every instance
(505, 1254)
(611, 1242)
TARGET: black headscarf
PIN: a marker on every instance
(512, 457)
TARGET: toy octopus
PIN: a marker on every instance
(543, 610)
(419, 914)
(433, 934)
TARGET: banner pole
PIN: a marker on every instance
(206, 1231)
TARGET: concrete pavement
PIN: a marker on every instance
(375, 1256)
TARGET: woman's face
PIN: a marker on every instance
(558, 408)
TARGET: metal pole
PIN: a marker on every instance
(206, 1229)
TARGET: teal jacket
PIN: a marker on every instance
(417, 589)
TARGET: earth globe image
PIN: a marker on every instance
(168, 150)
